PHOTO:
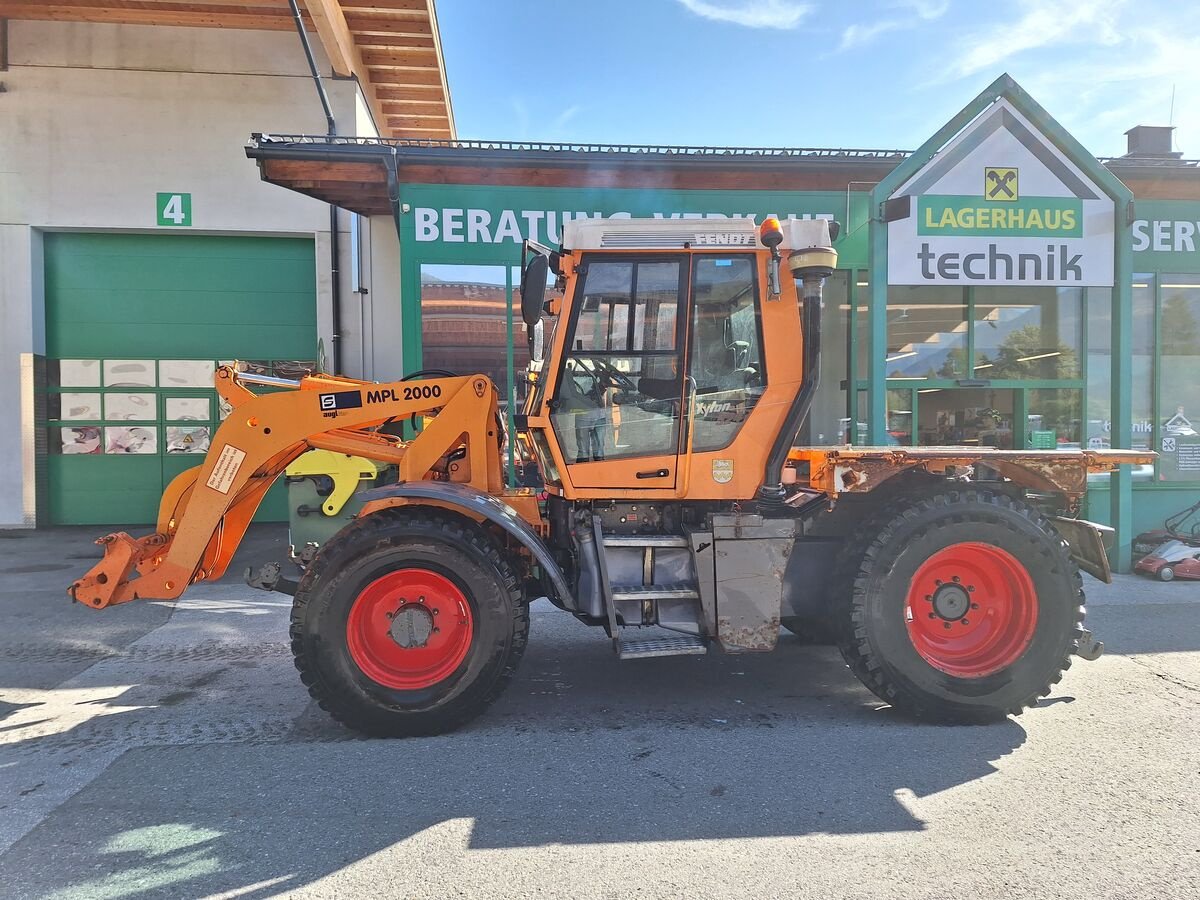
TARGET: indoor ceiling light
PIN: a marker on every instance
(1038, 356)
(900, 356)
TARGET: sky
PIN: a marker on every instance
(873, 74)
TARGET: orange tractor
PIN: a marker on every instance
(678, 367)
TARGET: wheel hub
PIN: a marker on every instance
(971, 609)
(410, 629)
(951, 602)
(411, 626)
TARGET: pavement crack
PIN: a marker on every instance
(1167, 676)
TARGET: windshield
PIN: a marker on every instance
(1174, 550)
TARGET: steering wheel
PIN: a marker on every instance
(615, 376)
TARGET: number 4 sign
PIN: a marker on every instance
(174, 209)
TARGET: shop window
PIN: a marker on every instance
(464, 322)
(862, 327)
(926, 333)
(900, 417)
(1098, 430)
(1054, 419)
(1179, 384)
(1027, 332)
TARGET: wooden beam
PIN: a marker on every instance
(420, 92)
(400, 75)
(437, 123)
(335, 35)
(418, 59)
(441, 63)
(403, 23)
(414, 108)
(293, 170)
(395, 5)
(343, 53)
(254, 19)
(198, 6)
(399, 42)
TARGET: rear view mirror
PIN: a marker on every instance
(533, 288)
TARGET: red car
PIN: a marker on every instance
(1171, 560)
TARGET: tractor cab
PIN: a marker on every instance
(674, 355)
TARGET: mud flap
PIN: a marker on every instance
(1088, 541)
(751, 557)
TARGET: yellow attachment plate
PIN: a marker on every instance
(345, 470)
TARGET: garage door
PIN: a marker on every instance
(135, 326)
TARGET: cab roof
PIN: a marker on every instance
(683, 234)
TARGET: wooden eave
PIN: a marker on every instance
(391, 46)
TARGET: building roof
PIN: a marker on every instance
(360, 174)
(391, 46)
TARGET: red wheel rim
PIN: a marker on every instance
(409, 629)
(971, 610)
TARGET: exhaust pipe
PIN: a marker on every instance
(810, 265)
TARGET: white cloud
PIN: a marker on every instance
(1101, 94)
(784, 14)
(859, 35)
(1041, 23)
(566, 116)
(925, 9)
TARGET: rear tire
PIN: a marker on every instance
(446, 592)
(965, 606)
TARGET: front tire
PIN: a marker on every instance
(408, 623)
(965, 607)
(1166, 573)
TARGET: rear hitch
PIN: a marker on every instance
(268, 577)
(1089, 648)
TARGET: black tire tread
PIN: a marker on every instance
(372, 532)
(855, 567)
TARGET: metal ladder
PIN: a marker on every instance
(665, 643)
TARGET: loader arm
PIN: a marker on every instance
(204, 512)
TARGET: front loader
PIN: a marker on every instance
(678, 367)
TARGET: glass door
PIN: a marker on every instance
(618, 401)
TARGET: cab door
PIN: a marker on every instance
(619, 399)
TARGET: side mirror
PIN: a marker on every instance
(533, 288)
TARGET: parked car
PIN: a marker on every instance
(1174, 559)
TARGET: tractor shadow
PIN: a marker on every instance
(581, 750)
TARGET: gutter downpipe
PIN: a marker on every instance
(335, 286)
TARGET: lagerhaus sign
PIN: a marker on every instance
(1000, 205)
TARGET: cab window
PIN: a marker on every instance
(726, 358)
(619, 391)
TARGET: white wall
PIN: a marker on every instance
(97, 119)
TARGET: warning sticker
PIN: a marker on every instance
(226, 469)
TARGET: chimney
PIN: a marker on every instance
(1151, 142)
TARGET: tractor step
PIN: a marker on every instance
(657, 541)
(677, 645)
(654, 592)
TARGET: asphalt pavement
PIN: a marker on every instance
(169, 750)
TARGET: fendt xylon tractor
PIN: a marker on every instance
(680, 363)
